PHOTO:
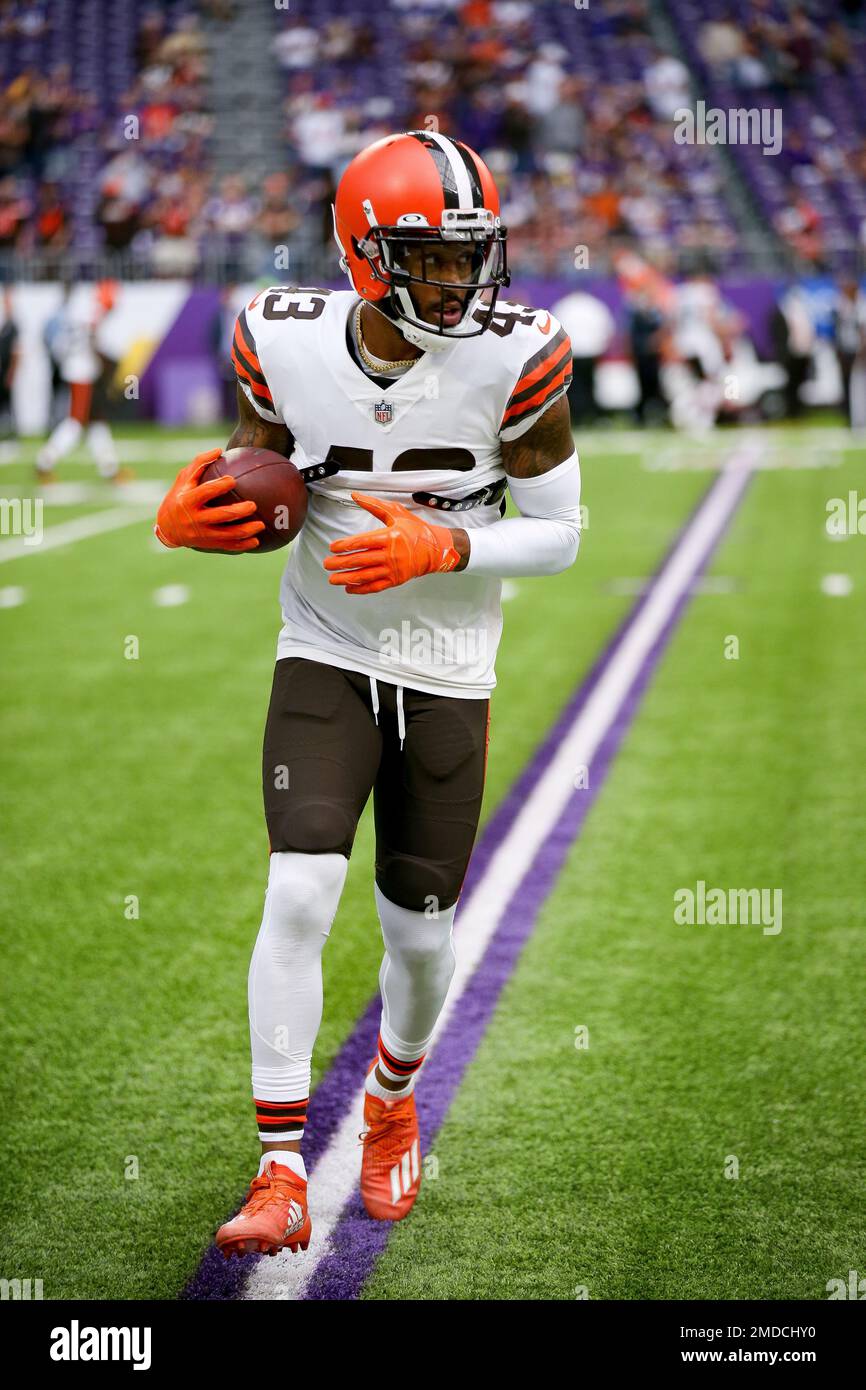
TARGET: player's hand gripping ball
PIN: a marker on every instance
(245, 499)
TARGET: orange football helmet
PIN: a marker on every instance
(410, 191)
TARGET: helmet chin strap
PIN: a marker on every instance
(427, 342)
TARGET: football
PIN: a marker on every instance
(273, 483)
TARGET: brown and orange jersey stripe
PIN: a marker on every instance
(546, 375)
(247, 364)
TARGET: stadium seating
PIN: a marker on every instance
(561, 100)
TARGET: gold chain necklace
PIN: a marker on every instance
(382, 367)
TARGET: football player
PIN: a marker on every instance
(77, 343)
(409, 402)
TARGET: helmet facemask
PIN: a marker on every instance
(386, 249)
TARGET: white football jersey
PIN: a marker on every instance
(75, 345)
(431, 440)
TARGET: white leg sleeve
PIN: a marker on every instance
(62, 441)
(285, 984)
(100, 441)
(414, 978)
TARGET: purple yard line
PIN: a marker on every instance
(356, 1241)
(217, 1278)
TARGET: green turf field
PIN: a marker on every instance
(135, 862)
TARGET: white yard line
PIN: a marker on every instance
(336, 1173)
(68, 532)
(163, 448)
(142, 492)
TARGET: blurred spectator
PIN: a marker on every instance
(29, 19)
(151, 32)
(52, 231)
(721, 43)
(837, 47)
(125, 187)
(748, 68)
(560, 130)
(318, 130)
(801, 47)
(297, 46)
(173, 221)
(800, 225)
(229, 218)
(543, 79)
(668, 85)
(14, 210)
(277, 220)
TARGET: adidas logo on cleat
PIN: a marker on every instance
(296, 1220)
(405, 1173)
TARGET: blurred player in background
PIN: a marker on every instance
(9, 357)
(646, 328)
(793, 333)
(849, 337)
(76, 345)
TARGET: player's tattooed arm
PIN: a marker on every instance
(547, 444)
(252, 432)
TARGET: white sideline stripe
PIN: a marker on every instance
(67, 532)
(336, 1173)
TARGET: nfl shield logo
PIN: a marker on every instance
(384, 412)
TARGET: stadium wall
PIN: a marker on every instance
(170, 339)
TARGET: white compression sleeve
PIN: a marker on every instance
(544, 538)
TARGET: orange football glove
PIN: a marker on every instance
(185, 519)
(406, 547)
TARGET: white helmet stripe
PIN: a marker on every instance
(458, 168)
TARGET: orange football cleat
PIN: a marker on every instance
(391, 1162)
(273, 1216)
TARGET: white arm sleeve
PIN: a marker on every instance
(544, 538)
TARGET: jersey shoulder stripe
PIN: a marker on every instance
(545, 375)
(247, 364)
